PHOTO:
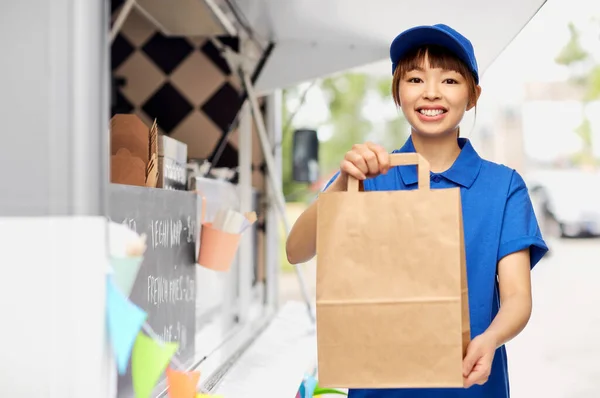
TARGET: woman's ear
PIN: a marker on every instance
(474, 101)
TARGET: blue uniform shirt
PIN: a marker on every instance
(498, 220)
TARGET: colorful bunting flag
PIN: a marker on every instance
(182, 384)
(125, 320)
(125, 270)
(309, 386)
(148, 362)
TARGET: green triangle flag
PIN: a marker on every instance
(125, 271)
(148, 361)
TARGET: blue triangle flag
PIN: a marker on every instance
(310, 383)
(125, 320)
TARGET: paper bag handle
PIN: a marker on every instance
(403, 159)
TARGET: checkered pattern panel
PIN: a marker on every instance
(182, 82)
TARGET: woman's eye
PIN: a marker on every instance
(450, 81)
(414, 80)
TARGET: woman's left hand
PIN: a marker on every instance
(477, 364)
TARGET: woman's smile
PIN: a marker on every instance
(431, 113)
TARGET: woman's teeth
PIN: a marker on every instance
(431, 112)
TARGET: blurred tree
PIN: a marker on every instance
(572, 52)
(345, 95)
(593, 84)
(585, 72)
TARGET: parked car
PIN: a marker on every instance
(567, 202)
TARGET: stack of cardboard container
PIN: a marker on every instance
(134, 151)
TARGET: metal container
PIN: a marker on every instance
(172, 159)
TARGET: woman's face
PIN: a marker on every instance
(434, 100)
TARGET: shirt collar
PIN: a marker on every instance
(463, 171)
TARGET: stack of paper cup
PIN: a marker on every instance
(219, 240)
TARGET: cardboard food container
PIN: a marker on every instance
(134, 151)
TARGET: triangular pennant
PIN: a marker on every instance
(125, 270)
(309, 386)
(182, 384)
(148, 361)
(125, 320)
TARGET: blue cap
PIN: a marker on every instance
(440, 35)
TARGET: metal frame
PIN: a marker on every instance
(245, 190)
(276, 194)
(276, 198)
(272, 244)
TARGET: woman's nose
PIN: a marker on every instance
(431, 91)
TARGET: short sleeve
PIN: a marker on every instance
(331, 180)
(520, 229)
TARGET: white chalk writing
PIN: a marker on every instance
(130, 223)
(175, 333)
(191, 230)
(170, 291)
(166, 233)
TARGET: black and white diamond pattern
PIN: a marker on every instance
(167, 53)
(223, 116)
(120, 51)
(170, 116)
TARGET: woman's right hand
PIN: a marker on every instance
(364, 161)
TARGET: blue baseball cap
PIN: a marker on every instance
(440, 35)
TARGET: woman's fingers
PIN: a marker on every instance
(370, 160)
(383, 158)
(350, 169)
(365, 160)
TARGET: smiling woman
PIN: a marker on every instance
(435, 86)
(429, 82)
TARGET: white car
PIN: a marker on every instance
(567, 201)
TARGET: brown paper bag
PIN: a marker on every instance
(392, 305)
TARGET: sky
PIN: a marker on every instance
(529, 58)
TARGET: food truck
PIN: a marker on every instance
(156, 115)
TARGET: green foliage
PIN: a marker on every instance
(572, 52)
(573, 55)
(593, 86)
(345, 95)
(584, 131)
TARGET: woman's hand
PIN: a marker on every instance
(364, 161)
(477, 364)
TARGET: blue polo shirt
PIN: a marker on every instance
(498, 220)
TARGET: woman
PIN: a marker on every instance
(435, 81)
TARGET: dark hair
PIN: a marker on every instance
(438, 57)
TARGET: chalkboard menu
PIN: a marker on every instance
(166, 284)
